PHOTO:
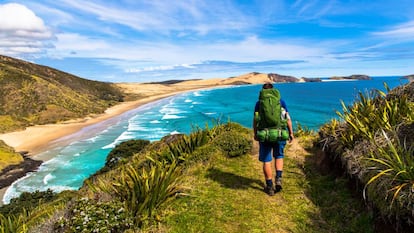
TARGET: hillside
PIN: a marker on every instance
(34, 94)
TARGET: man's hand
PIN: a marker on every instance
(291, 137)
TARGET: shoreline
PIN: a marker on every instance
(36, 139)
(39, 138)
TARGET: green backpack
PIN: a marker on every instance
(270, 125)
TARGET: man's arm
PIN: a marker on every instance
(255, 126)
(290, 128)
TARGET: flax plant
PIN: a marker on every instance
(182, 148)
(393, 168)
(144, 190)
(26, 219)
(13, 224)
(372, 113)
(303, 130)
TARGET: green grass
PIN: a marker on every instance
(227, 196)
(8, 156)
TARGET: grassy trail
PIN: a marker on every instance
(227, 196)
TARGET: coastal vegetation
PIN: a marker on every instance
(373, 143)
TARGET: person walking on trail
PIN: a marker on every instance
(272, 127)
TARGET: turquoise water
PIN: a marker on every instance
(78, 156)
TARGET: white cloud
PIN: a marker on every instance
(405, 30)
(76, 42)
(18, 17)
(166, 16)
(21, 31)
(254, 49)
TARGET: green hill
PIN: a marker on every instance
(33, 94)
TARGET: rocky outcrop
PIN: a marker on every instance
(277, 78)
(13, 172)
(309, 80)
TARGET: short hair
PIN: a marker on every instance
(267, 85)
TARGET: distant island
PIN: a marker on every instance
(352, 77)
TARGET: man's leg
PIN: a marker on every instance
(267, 170)
(279, 155)
(265, 156)
(279, 165)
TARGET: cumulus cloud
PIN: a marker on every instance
(21, 31)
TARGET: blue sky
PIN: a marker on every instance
(154, 40)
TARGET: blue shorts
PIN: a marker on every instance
(265, 151)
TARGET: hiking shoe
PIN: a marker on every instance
(278, 186)
(269, 190)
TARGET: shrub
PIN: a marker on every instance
(87, 216)
(27, 202)
(125, 150)
(233, 144)
(9, 123)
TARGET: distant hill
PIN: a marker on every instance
(245, 79)
(34, 94)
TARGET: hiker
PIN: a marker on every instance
(272, 128)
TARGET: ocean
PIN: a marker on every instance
(77, 156)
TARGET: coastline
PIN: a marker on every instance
(37, 139)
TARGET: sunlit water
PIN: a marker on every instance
(78, 156)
